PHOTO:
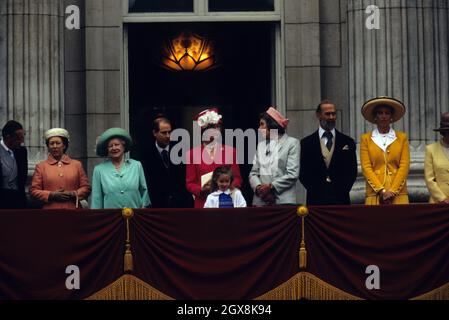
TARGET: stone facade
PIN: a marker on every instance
(32, 67)
(51, 76)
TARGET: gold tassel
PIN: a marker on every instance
(302, 212)
(302, 256)
(128, 263)
(127, 213)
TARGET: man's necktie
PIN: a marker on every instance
(329, 137)
(165, 159)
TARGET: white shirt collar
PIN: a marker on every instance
(160, 149)
(321, 131)
(390, 134)
(5, 147)
(218, 192)
(383, 140)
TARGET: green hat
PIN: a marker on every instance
(102, 142)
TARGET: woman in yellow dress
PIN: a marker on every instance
(436, 164)
(384, 153)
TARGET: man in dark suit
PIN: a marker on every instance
(13, 167)
(328, 162)
(165, 180)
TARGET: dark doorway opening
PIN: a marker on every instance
(241, 87)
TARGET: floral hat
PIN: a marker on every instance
(208, 117)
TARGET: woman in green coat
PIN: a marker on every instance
(118, 182)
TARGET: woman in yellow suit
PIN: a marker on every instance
(384, 153)
(436, 164)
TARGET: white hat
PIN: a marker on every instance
(56, 132)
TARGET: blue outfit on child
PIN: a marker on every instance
(225, 201)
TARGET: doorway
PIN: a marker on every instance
(241, 87)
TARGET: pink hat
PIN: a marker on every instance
(279, 118)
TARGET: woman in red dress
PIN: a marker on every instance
(202, 160)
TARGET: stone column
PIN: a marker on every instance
(104, 61)
(407, 58)
(302, 68)
(75, 85)
(31, 68)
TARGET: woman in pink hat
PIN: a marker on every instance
(275, 168)
(204, 159)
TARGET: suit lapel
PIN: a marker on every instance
(439, 152)
(317, 150)
(281, 143)
(157, 158)
(8, 161)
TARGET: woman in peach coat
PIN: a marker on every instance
(59, 182)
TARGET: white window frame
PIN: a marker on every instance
(201, 11)
(201, 14)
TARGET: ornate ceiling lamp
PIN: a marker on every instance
(189, 52)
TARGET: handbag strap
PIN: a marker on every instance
(77, 201)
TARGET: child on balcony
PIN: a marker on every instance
(222, 196)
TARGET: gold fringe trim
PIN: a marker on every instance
(289, 290)
(304, 285)
(316, 289)
(129, 287)
(441, 293)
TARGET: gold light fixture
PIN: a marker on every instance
(189, 52)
